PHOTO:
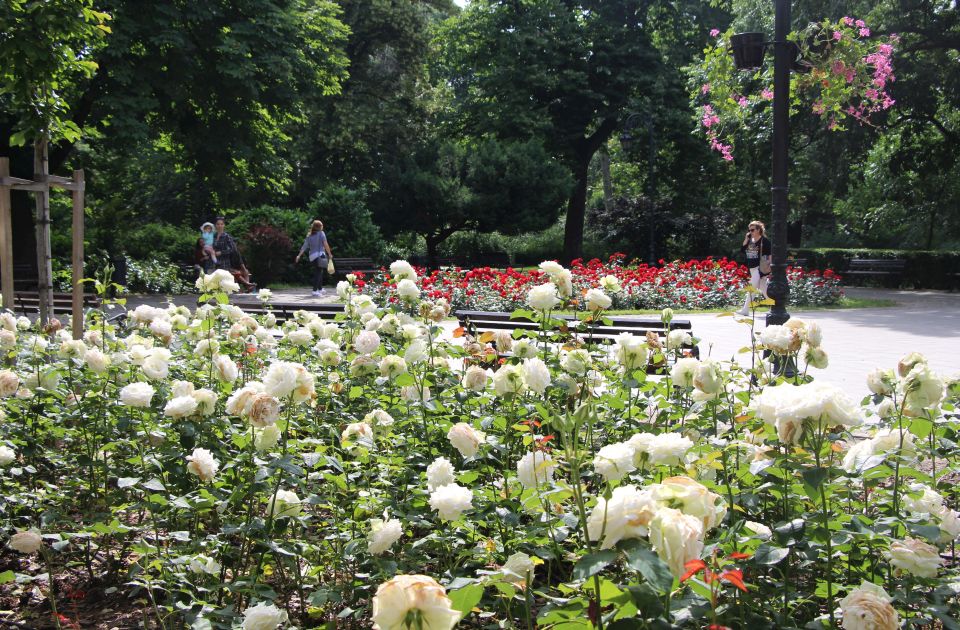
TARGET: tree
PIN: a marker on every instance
(557, 70)
(486, 185)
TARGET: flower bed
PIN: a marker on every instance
(694, 284)
(207, 469)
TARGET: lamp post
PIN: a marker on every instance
(785, 58)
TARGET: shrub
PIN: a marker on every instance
(347, 221)
(271, 248)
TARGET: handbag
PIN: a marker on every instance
(330, 268)
(765, 267)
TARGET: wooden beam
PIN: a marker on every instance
(44, 259)
(6, 236)
(77, 321)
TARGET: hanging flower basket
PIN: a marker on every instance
(748, 50)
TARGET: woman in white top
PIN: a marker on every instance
(319, 253)
(757, 250)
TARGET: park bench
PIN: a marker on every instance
(799, 263)
(28, 302)
(477, 322)
(355, 265)
(888, 270)
(284, 311)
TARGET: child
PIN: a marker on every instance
(206, 233)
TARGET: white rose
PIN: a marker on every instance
(626, 515)
(203, 564)
(162, 329)
(9, 383)
(535, 469)
(263, 617)
(881, 382)
(816, 357)
(225, 368)
(410, 393)
(780, 339)
(8, 339)
(392, 366)
(402, 270)
(266, 438)
(180, 407)
(684, 371)
(206, 401)
(910, 361)
(28, 542)
(543, 297)
(813, 334)
(610, 284)
(551, 267)
(668, 449)
(915, 557)
(676, 537)
(614, 461)
(576, 362)
(7, 455)
(465, 438)
(708, 378)
(922, 389)
(439, 473)
(597, 300)
(284, 504)
(868, 608)
(691, 498)
(677, 339)
(475, 378)
(383, 534)
(536, 375)
(202, 464)
(407, 289)
(524, 349)
(519, 569)
(300, 337)
(416, 352)
(281, 378)
(261, 409)
(96, 360)
(564, 282)
(136, 395)
(237, 402)
(357, 434)
(450, 501)
(418, 597)
(508, 380)
(366, 342)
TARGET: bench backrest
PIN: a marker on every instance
(285, 310)
(877, 264)
(476, 321)
(345, 265)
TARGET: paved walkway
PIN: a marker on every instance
(856, 340)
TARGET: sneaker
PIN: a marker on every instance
(744, 312)
(316, 293)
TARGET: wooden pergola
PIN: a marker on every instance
(40, 185)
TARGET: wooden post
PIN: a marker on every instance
(41, 170)
(77, 195)
(6, 238)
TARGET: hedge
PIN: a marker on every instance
(923, 269)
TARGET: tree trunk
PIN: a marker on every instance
(607, 181)
(576, 211)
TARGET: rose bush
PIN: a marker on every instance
(219, 472)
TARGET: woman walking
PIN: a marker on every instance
(757, 249)
(319, 254)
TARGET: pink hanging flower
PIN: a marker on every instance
(705, 88)
(860, 24)
(848, 20)
(837, 36)
(714, 32)
(864, 32)
(743, 102)
(766, 94)
(818, 108)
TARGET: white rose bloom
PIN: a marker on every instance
(180, 407)
(284, 504)
(451, 500)
(206, 401)
(597, 300)
(329, 353)
(7, 455)
(910, 361)
(691, 498)
(411, 331)
(914, 556)
(543, 297)
(780, 339)
(266, 438)
(237, 402)
(816, 357)
(564, 282)
(949, 525)
(677, 339)
(610, 284)
(508, 380)
(300, 337)
(281, 378)
(524, 349)
(9, 383)
(787, 406)
(28, 542)
(551, 267)
(202, 464)
(475, 378)
(813, 334)
(857, 455)
(343, 290)
(535, 469)
(136, 395)
(8, 339)
(408, 290)
(631, 351)
(181, 388)
(440, 473)
(416, 352)
(930, 502)
(261, 409)
(366, 342)
(402, 270)
(392, 366)
(263, 617)
(676, 537)
(383, 534)
(407, 597)
(922, 389)
(684, 371)
(759, 530)
(410, 393)
(74, 348)
(8, 321)
(162, 329)
(881, 382)
(378, 418)
(536, 375)
(868, 608)
(465, 438)
(225, 368)
(708, 378)
(96, 360)
(887, 408)
(207, 347)
(503, 340)
(668, 449)
(626, 515)
(576, 362)
(519, 569)
(614, 461)
(357, 434)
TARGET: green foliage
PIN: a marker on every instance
(154, 275)
(159, 241)
(347, 222)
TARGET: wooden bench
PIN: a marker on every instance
(284, 311)
(798, 263)
(477, 322)
(888, 270)
(28, 302)
(354, 265)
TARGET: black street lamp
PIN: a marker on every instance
(748, 51)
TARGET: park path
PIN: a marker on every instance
(856, 340)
